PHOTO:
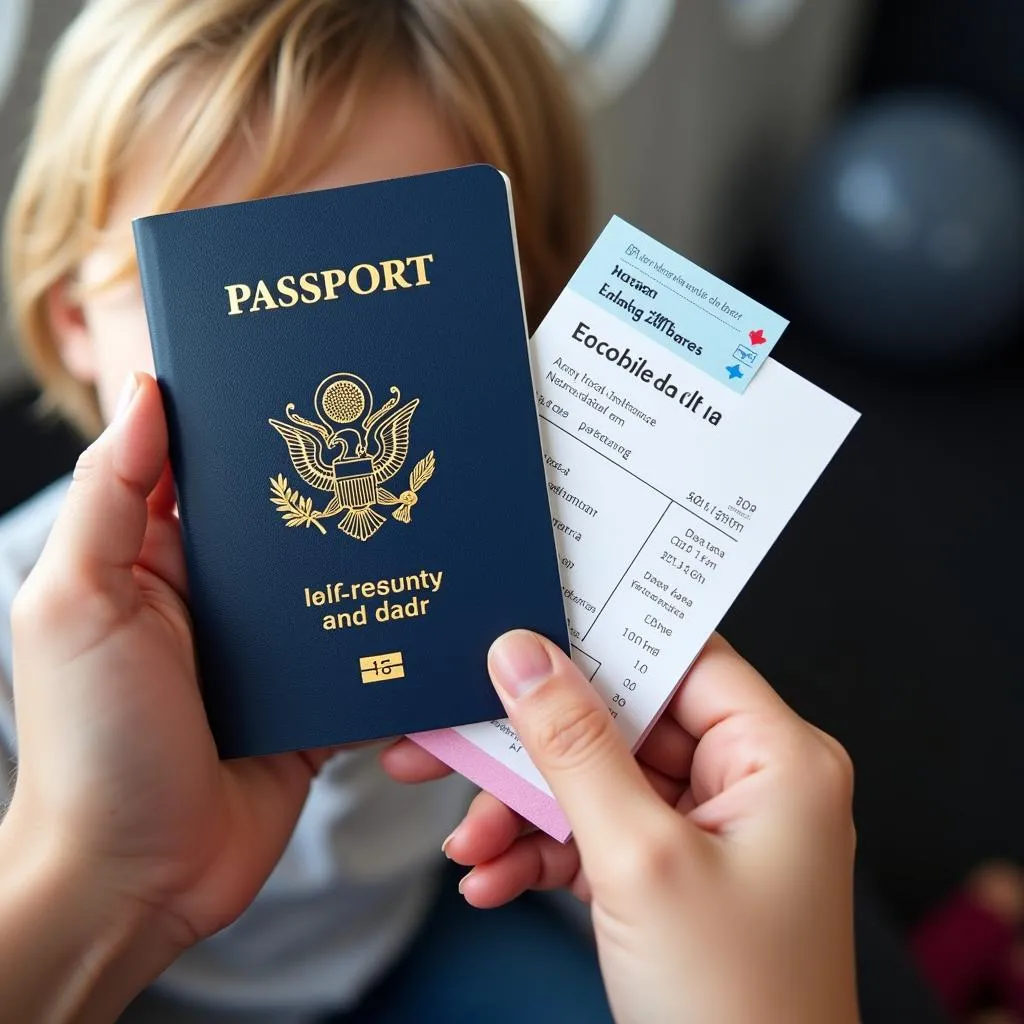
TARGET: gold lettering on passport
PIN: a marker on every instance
(380, 668)
(350, 453)
(326, 285)
(398, 597)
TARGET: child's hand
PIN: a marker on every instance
(720, 871)
(116, 761)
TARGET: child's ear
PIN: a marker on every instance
(71, 331)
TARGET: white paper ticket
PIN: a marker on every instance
(675, 452)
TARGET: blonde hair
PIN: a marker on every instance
(124, 64)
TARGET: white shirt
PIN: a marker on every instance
(351, 888)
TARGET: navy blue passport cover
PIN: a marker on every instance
(355, 446)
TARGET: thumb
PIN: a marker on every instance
(100, 531)
(572, 739)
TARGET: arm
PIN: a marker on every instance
(70, 949)
(127, 838)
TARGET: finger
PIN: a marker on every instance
(771, 772)
(667, 787)
(741, 724)
(572, 740)
(490, 828)
(720, 685)
(668, 749)
(755, 755)
(162, 552)
(687, 802)
(163, 499)
(408, 762)
(100, 530)
(536, 861)
(487, 831)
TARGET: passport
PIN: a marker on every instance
(356, 454)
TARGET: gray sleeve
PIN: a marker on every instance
(10, 580)
(7, 728)
(23, 533)
(7, 757)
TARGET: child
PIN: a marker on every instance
(155, 105)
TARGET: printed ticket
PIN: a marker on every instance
(673, 462)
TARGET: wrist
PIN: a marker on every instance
(72, 948)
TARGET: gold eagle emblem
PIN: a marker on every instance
(350, 453)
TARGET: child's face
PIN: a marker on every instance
(105, 337)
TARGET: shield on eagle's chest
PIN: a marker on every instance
(356, 487)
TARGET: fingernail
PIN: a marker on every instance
(128, 390)
(462, 881)
(444, 845)
(519, 663)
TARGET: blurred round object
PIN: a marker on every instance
(13, 23)
(905, 237)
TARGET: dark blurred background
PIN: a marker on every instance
(888, 612)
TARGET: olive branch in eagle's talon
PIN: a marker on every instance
(295, 510)
(422, 472)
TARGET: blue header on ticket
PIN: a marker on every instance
(677, 304)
